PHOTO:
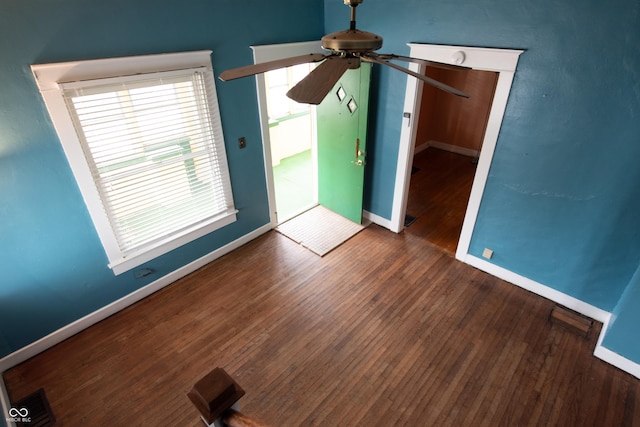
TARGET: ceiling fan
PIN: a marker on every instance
(348, 48)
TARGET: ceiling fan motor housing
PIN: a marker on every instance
(352, 41)
(348, 48)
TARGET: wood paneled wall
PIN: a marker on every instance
(451, 119)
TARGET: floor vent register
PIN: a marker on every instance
(571, 320)
(33, 411)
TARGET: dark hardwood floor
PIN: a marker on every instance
(388, 329)
(438, 196)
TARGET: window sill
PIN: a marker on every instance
(168, 244)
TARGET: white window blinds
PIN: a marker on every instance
(155, 150)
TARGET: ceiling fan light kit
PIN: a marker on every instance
(348, 48)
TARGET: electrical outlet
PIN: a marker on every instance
(242, 143)
(487, 253)
(143, 272)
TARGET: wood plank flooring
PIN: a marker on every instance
(385, 330)
(438, 196)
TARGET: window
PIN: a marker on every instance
(278, 83)
(146, 147)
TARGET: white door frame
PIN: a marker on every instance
(266, 53)
(502, 61)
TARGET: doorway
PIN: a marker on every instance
(292, 132)
(449, 136)
(336, 129)
(290, 170)
(501, 61)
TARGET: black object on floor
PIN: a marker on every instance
(408, 220)
(34, 408)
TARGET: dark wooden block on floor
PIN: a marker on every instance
(215, 393)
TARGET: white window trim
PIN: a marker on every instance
(50, 77)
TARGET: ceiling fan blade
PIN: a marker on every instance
(425, 79)
(393, 57)
(313, 88)
(262, 67)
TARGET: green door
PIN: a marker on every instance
(342, 140)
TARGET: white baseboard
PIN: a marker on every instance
(382, 222)
(447, 147)
(572, 303)
(71, 329)
(614, 358)
(539, 289)
(420, 148)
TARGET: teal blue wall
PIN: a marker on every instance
(562, 201)
(52, 267)
(622, 334)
